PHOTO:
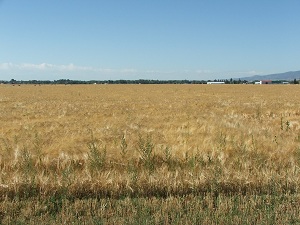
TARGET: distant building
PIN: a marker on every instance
(215, 82)
(264, 82)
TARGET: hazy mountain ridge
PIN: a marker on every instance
(291, 75)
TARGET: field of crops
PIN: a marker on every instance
(150, 154)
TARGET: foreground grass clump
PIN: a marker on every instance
(219, 148)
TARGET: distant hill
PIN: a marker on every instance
(277, 76)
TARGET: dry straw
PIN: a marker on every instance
(148, 140)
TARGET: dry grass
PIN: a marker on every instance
(100, 141)
(173, 210)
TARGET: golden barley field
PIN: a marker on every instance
(150, 154)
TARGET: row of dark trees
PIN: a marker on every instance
(140, 81)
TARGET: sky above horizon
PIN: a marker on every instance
(157, 39)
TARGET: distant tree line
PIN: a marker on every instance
(139, 81)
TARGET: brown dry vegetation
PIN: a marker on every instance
(70, 145)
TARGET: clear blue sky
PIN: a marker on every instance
(150, 39)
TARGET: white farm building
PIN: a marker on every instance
(215, 82)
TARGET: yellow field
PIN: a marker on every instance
(149, 140)
(251, 131)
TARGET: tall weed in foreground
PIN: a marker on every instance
(96, 154)
(27, 163)
(167, 157)
(145, 147)
(28, 171)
